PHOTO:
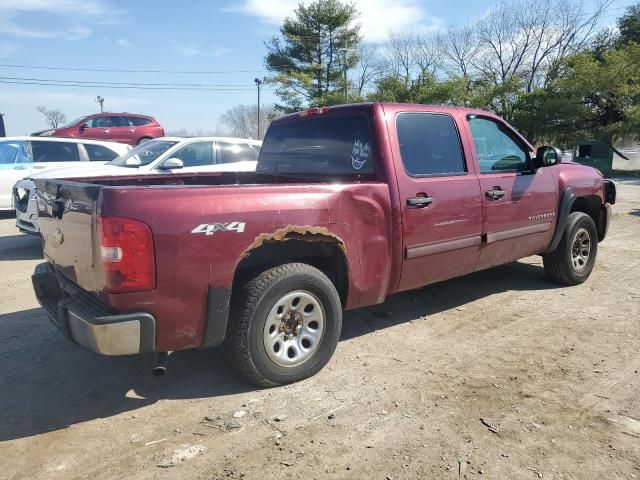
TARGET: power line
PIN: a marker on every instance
(122, 70)
(145, 84)
(195, 89)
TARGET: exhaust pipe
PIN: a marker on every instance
(160, 362)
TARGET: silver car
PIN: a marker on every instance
(158, 156)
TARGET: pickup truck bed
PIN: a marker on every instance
(348, 205)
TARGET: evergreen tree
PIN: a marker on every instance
(309, 61)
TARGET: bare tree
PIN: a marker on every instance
(369, 68)
(401, 55)
(525, 39)
(242, 120)
(564, 28)
(427, 55)
(54, 118)
(458, 48)
(506, 38)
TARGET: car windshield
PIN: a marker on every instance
(143, 154)
(72, 123)
(8, 152)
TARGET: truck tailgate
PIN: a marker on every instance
(67, 219)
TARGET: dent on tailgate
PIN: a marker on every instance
(67, 221)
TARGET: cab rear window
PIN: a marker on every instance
(322, 145)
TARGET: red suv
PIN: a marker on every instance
(117, 127)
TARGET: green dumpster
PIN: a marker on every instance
(595, 154)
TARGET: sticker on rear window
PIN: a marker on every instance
(360, 154)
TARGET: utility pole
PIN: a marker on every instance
(346, 87)
(100, 100)
(345, 68)
(259, 86)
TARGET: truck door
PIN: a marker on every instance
(440, 200)
(519, 202)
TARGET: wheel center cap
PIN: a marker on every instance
(291, 323)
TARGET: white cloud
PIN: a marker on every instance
(72, 18)
(194, 49)
(378, 18)
(123, 42)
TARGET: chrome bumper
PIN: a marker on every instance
(87, 322)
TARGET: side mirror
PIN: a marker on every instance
(83, 126)
(546, 156)
(171, 163)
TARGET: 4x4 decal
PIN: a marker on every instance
(211, 228)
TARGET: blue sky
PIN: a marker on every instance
(223, 36)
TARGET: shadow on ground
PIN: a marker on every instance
(47, 383)
(20, 247)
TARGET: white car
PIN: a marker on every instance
(159, 156)
(24, 156)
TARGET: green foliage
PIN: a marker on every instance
(597, 97)
(629, 25)
(590, 94)
(308, 62)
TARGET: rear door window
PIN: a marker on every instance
(54, 151)
(139, 121)
(334, 144)
(101, 122)
(429, 144)
(196, 154)
(98, 153)
(121, 121)
(235, 152)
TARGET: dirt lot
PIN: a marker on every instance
(552, 371)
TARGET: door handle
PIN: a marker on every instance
(495, 194)
(39, 167)
(419, 202)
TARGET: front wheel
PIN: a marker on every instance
(285, 325)
(572, 261)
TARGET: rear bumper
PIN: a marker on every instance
(89, 323)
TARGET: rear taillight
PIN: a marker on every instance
(126, 253)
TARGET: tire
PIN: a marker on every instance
(572, 261)
(142, 140)
(267, 325)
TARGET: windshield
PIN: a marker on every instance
(8, 152)
(322, 145)
(72, 122)
(143, 154)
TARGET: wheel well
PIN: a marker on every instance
(591, 205)
(320, 251)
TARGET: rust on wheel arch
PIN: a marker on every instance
(305, 233)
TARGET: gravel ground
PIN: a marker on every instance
(499, 374)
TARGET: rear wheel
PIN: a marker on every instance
(286, 324)
(143, 139)
(572, 261)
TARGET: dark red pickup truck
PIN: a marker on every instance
(348, 205)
